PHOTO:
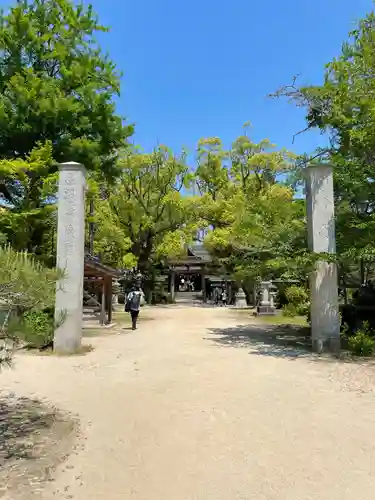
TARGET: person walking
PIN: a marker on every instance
(134, 300)
(224, 297)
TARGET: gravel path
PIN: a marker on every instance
(176, 412)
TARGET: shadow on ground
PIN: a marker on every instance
(34, 439)
(281, 341)
(286, 341)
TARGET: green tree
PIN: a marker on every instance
(343, 109)
(256, 226)
(27, 213)
(256, 166)
(109, 241)
(56, 85)
(149, 206)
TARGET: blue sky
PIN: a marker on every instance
(202, 68)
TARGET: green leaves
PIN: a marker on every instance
(55, 84)
(25, 286)
(255, 226)
(24, 282)
(28, 189)
(146, 218)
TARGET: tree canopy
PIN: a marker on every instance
(56, 85)
(343, 108)
(57, 102)
(150, 207)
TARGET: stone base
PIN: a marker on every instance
(266, 311)
(329, 345)
(241, 304)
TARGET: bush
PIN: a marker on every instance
(362, 343)
(303, 309)
(26, 285)
(161, 297)
(35, 328)
(289, 310)
(296, 295)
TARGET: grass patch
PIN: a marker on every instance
(282, 320)
(278, 319)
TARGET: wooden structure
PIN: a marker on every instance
(193, 268)
(98, 288)
(197, 268)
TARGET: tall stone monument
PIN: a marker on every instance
(325, 320)
(70, 256)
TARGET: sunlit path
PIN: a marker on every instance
(175, 412)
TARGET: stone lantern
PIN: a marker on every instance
(240, 302)
(266, 306)
(116, 289)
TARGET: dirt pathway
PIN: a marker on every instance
(170, 413)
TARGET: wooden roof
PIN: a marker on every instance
(94, 268)
(197, 255)
(198, 250)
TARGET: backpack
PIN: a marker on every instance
(133, 302)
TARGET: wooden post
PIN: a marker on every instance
(203, 278)
(172, 277)
(102, 309)
(109, 299)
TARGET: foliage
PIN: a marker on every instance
(27, 215)
(26, 287)
(57, 93)
(289, 310)
(149, 208)
(362, 343)
(296, 295)
(35, 328)
(256, 226)
(303, 309)
(343, 109)
(24, 283)
(110, 243)
(56, 85)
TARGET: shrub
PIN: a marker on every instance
(289, 310)
(35, 328)
(25, 286)
(362, 343)
(25, 283)
(303, 309)
(296, 295)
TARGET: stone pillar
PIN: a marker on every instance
(265, 293)
(173, 284)
(325, 319)
(70, 256)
